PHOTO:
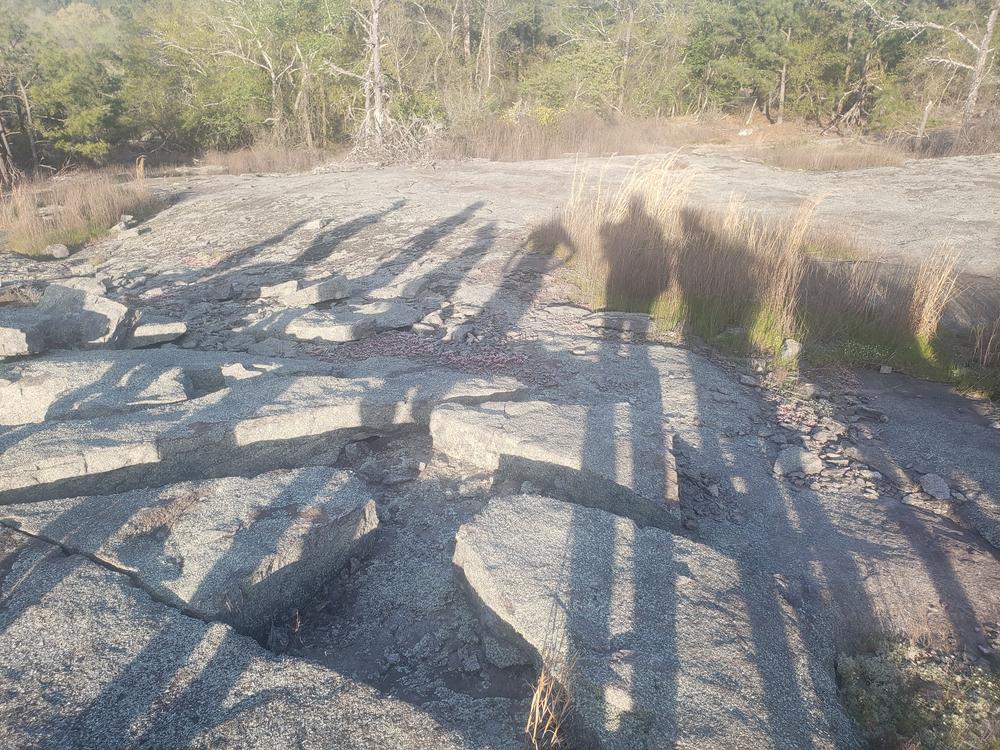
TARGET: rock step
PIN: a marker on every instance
(609, 456)
(338, 325)
(76, 385)
(98, 663)
(269, 423)
(660, 640)
(68, 316)
(235, 550)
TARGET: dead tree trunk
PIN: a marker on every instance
(375, 118)
(8, 170)
(980, 68)
(28, 124)
(784, 80)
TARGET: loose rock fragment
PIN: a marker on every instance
(328, 290)
(155, 329)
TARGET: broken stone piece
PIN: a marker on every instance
(935, 486)
(155, 329)
(620, 321)
(328, 290)
(608, 456)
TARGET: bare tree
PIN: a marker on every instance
(372, 133)
(977, 66)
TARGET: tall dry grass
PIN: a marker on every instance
(641, 246)
(72, 209)
(267, 158)
(579, 133)
(828, 157)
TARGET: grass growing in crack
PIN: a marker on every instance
(907, 698)
(746, 283)
(548, 715)
(72, 210)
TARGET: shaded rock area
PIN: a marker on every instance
(343, 460)
(628, 619)
(109, 667)
(629, 470)
(242, 429)
(234, 550)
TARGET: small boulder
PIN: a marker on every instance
(58, 251)
(279, 290)
(155, 329)
(935, 486)
(329, 290)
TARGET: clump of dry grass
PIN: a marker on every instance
(821, 157)
(986, 343)
(551, 703)
(642, 247)
(527, 138)
(268, 158)
(72, 209)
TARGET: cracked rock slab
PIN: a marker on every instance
(235, 550)
(66, 317)
(610, 456)
(638, 623)
(340, 324)
(252, 426)
(89, 660)
(77, 385)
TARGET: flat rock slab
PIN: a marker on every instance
(657, 637)
(89, 660)
(610, 456)
(76, 385)
(327, 290)
(620, 321)
(235, 550)
(151, 330)
(340, 324)
(255, 426)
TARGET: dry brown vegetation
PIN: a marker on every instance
(267, 158)
(905, 697)
(829, 157)
(744, 280)
(583, 133)
(548, 715)
(72, 209)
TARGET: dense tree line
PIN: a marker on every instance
(88, 81)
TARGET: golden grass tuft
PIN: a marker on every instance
(823, 157)
(267, 158)
(578, 133)
(72, 209)
(551, 703)
(733, 274)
